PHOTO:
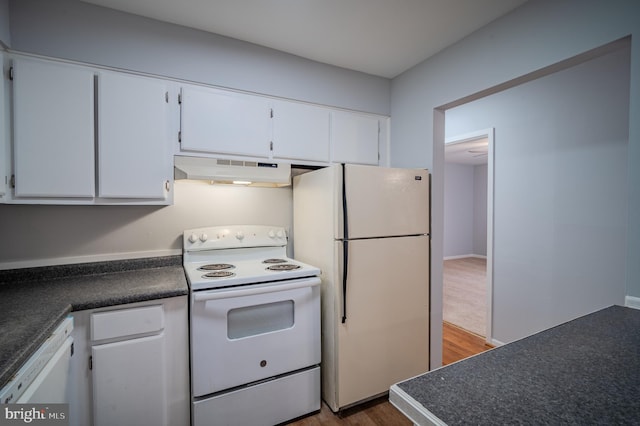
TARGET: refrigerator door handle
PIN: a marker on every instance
(345, 267)
(345, 221)
(345, 245)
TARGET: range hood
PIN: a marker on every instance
(250, 173)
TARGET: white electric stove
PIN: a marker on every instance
(255, 327)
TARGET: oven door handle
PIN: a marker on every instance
(228, 294)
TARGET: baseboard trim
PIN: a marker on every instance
(632, 302)
(464, 256)
(496, 343)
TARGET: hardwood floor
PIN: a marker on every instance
(378, 412)
(457, 344)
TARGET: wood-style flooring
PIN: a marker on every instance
(457, 344)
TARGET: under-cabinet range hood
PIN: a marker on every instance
(251, 173)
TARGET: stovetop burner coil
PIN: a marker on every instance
(216, 267)
(274, 261)
(283, 267)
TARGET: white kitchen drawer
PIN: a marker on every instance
(127, 322)
(268, 403)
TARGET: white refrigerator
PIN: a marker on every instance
(367, 228)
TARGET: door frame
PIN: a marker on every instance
(467, 137)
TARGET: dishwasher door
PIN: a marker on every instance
(51, 385)
(44, 377)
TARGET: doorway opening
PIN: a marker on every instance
(468, 232)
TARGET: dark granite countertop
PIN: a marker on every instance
(33, 301)
(586, 371)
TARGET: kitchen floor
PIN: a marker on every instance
(379, 412)
(457, 344)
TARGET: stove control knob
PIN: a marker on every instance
(280, 233)
(193, 238)
(272, 233)
(240, 235)
(203, 237)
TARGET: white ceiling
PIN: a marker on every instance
(379, 37)
(471, 153)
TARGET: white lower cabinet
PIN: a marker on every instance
(5, 135)
(129, 382)
(132, 365)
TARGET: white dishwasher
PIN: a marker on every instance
(44, 377)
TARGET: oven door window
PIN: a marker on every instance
(259, 319)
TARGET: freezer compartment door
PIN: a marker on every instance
(385, 337)
(385, 201)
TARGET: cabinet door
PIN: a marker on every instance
(218, 121)
(300, 132)
(4, 134)
(354, 138)
(53, 118)
(129, 382)
(134, 148)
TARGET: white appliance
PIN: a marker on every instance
(367, 228)
(251, 173)
(255, 327)
(44, 377)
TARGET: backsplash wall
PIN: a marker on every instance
(40, 235)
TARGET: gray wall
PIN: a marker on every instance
(5, 34)
(84, 32)
(537, 38)
(465, 210)
(458, 210)
(560, 198)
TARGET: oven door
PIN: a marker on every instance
(250, 333)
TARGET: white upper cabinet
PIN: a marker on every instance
(134, 145)
(224, 122)
(354, 138)
(88, 136)
(53, 119)
(300, 131)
